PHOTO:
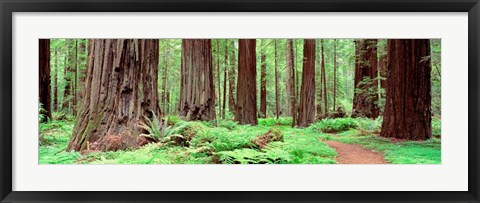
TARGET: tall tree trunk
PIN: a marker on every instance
(407, 112)
(218, 76)
(83, 70)
(324, 78)
(382, 68)
(334, 73)
(67, 100)
(263, 81)
(120, 92)
(44, 78)
(246, 111)
(231, 79)
(306, 113)
(164, 79)
(75, 76)
(225, 80)
(290, 82)
(197, 84)
(319, 87)
(366, 93)
(297, 75)
(55, 83)
(277, 97)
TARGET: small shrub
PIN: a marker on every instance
(172, 120)
(251, 156)
(228, 124)
(156, 131)
(184, 132)
(334, 125)
(273, 135)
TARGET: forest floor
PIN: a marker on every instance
(355, 154)
(273, 141)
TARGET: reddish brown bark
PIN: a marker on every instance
(120, 92)
(407, 112)
(44, 78)
(197, 85)
(246, 108)
(366, 91)
(290, 81)
(306, 110)
(263, 83)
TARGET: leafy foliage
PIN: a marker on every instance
(334, 125)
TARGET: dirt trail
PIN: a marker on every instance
(355, 154)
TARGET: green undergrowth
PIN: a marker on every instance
(272, 141)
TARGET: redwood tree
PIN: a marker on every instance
(246, 107)
(366, 91)
(290, 81)
(263, 81)
(277, 94)
(407, 112)
(120, 93)
(55, 83)
(44, 78)
(231, 78)
(324, 80)
(197, 93)
(306, 110)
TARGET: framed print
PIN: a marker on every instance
(209, 101)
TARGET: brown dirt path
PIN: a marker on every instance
(355, 154)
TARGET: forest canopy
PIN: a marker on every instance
(244, 101)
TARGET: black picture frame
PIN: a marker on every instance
(8, 7)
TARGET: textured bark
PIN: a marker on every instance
(246, 109)
(120, 92)
(366, 94)
(197, 84)
(263, 82)
(324, 79)
(290, 81)
(306, 113)
(55, 84)
(44, 78)
(407, 112)
(277, 97)
(231, 79)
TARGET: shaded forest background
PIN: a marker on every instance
(69, 58)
